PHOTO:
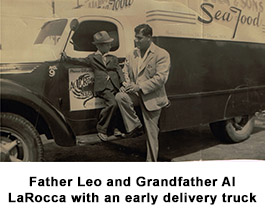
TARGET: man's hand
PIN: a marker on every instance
(122, 89)
(64, 56)
(132, 88)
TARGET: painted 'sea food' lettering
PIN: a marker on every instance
(227, 16)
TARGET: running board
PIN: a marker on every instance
(93, 139)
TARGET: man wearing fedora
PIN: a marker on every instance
(108, 78)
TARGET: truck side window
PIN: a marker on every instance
(83, 37)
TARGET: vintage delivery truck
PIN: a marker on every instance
(217, 73)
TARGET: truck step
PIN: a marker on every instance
(93, 139)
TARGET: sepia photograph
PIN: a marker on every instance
(132, 80)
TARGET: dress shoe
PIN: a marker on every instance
(138, 131)
(103, 137)
(117, 133)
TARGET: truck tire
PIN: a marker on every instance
(20, 141)
(233, 130)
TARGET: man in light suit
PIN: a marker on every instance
(147, 68)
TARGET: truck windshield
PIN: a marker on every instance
(51, 32)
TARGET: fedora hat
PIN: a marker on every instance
(102, 37)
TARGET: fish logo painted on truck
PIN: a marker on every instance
(81, 89)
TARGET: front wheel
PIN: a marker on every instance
(233, 130)
(19, 139)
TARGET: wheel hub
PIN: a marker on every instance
(239, 122)
(4, 157)
(9, 146)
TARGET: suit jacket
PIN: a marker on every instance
(151, 77)
(102, 73)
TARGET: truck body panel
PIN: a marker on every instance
(217, 61)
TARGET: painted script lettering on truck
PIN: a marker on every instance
(253, 5)
(233, 14)
(110, 4)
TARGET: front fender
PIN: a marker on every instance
(59, 127)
